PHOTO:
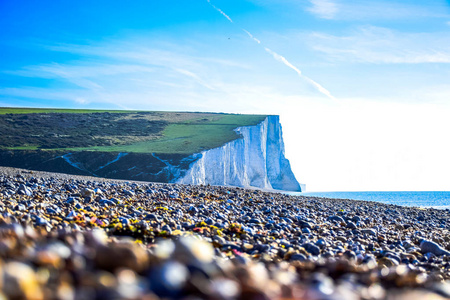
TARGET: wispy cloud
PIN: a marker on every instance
(125, 71)
(363, 10)
(129, 73)
(82, 75)
(195, 77)
(382, 45)
(376, 10)
(326, 9)
(281, 58)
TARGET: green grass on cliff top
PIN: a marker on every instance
(118, 131)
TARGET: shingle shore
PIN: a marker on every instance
(71, 237)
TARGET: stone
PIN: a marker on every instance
(430, 246)
(311, 248)
(87, 193)
(21, 282)
(24, 190)
(169, 279)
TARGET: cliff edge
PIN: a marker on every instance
(183, 147)
(254, 160)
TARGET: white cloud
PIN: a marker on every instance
(326, 9)
(161, 76)
(132, 53)
(363, 10)
(81, 100)
(382, 45)
(195, 77)
(376, 10)
(392, 10)
(322, 7)
(127, 68)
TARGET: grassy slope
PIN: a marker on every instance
(185, 133)
(191, 137)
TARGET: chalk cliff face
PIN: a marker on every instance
(255, 160)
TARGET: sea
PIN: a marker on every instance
(440, 200)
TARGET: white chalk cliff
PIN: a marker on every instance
(254, 160)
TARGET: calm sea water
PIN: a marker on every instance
(418, 199)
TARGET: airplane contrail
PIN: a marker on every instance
(282, 59)
(278, 57)
(220, 11)
(251, 36)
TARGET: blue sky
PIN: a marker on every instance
(362, 87)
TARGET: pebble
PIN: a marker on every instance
(68, 237)
(369, 231)
(24, 190)
(432, 247)
(87, 193)
(311, 248)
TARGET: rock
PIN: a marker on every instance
(24, 190)
(107, 202)
(53, 211)
(298, 256)
(21, 282)
(306, 230)
(174, 196)
(264, 245)
(432, 247)
(321, 287)
(20, 207)
(72, 215)
(121, 254)
(336, 219)
(42, 222)
(356, 219)
(169, 279)
(311, 248)
(116, 201)
(192, 210)
(87, 193)
(192, 250)
(220, 240)
(369, 231)
(304, 224)
(128, 193)
(321, 243)
(388, 262)
(351, 225)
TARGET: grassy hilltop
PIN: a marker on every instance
(118, 130)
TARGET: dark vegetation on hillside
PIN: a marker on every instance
(118, 131)
(137, 145)
(62, 130)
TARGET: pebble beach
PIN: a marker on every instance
(74, 237)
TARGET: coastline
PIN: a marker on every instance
(99, 236)
(424, 199)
